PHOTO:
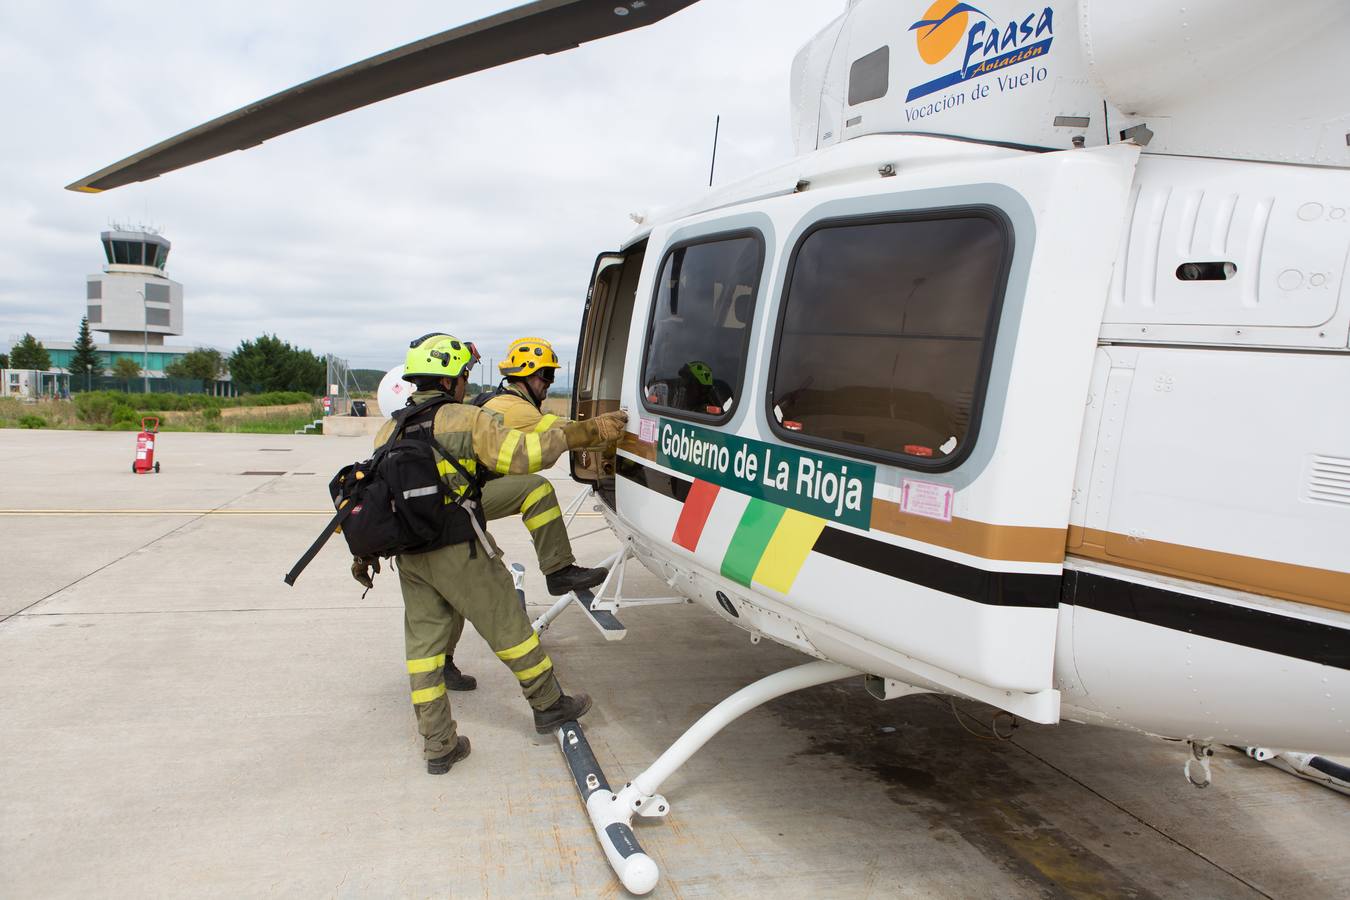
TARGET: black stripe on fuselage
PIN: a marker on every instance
(935, 573)
(671, 486)
(1255, 628)
(1173, 610)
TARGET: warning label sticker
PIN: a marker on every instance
(924, 498)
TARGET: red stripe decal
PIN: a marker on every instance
(695, 514)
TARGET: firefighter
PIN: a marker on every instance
(528, 369)
(466, 579)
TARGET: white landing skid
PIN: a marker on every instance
(1317, 769)
(612, 814)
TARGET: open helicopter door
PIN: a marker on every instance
(600, 356)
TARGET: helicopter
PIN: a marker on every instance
(1022, 382)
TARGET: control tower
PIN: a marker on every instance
(132, 299)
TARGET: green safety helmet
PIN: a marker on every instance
(439, 355)
(700, 372)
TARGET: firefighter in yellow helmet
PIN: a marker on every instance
(465, 579)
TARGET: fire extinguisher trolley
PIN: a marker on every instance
(145, 447)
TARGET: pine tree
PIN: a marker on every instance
(86, 362)
(29, 353)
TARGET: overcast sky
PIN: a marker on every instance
(475, 206)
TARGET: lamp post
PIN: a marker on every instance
(145, 348)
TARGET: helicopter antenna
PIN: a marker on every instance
(717, 126)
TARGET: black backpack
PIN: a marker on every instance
(396, 501)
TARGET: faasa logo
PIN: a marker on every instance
(986, 46)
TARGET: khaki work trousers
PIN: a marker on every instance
(440, 590)
(533, 499)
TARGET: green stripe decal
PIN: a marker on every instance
(752, 536)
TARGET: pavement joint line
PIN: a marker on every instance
(181, 612)
(174, 530)
(1149, 825)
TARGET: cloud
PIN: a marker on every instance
(477, 205)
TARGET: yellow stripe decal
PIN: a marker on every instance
(429, 664)
(535, 451)
(787, 551)
(534, 672)
(545, 423)
(508, 450)
(536, 495)
(426, 695)
(520, 649)
(543, 518)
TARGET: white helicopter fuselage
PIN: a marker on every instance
(1141, 515)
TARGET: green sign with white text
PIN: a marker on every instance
(825, 486)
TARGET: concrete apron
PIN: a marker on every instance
(176, 721)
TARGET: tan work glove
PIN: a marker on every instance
(361, 570)
(608, 428)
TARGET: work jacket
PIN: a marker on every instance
(479, 440)
(520, 412)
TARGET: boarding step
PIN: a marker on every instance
(605, 621)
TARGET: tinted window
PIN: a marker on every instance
(93, 290)
(868, 75)
(95, 314)
(156, 293)
(696, 345)
(156, 316)
(885, 335)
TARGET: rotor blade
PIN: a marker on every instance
(546, 26)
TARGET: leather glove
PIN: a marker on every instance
(612, 426)
(603, 429)
(362, 567)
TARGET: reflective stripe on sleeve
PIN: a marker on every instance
(426, 695)
(420, 492)
(536, 495)
(507, 451)
(543, 518)
(535, 451)
(428, 664)
(534, 672)
(520, 649)
(545, 423)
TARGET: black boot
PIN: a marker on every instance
(573, 578)
(455, 680)
(566, 709)
(441, 765)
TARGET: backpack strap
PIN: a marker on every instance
(329, 530)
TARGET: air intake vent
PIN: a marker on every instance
(1329, 480)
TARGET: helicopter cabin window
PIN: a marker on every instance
(868, 76)
(700, 326)
(886, 333)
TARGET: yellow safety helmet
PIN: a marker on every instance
(439, 354)
(528, 355)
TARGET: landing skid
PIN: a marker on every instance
(612, 814)
(1317, 769)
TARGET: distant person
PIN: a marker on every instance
(465, 578)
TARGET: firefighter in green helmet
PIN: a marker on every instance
(467, 580)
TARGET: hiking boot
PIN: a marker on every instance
(442, 764)
(455, 680)
(573, 578)
(565, 709)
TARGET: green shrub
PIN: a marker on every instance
(211, 413)
(32, 421)
(103, 407)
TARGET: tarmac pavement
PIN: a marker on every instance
(176, 721)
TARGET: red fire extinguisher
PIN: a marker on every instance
(145, 447)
